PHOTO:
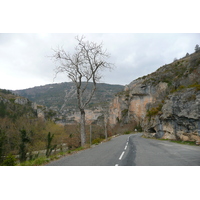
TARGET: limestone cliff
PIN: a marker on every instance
(165, 103)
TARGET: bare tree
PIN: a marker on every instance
(82, 67)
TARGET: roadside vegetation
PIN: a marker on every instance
(175, 141)
(43, 160)
(26, 140)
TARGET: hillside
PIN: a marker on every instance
(166, 103)
(13, 106)
(24, 126)
(62, 99)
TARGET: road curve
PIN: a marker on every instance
(133, 150)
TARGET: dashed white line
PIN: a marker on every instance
(121, 155)
(124, 150)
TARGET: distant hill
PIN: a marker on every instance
(24, 127)
(61, 97)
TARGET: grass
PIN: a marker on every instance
(36, 162)
(175, 141)
(196, 86)
(184, 142)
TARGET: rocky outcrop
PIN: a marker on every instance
(179, 117)
(74, 117)
(21, 100)
(165, 103)
(132, 104)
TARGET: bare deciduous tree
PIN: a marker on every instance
(82, 67)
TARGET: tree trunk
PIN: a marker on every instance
(83, 135)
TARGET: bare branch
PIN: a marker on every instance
(84, 66)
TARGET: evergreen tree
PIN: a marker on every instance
(49, 146)
(2, 147)
(22, 146)
(197, 48)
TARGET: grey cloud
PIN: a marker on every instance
(24, 57)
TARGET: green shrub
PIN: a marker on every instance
(97, 141)
(39, 161)
(154, 111)
(23, 145)
(124, 112)
(127, 132)
(10, 161)
(138, 128)
(36, 162)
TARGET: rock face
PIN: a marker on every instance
(179, 117)
(130, 104)
(165, 103)
(21, 101)
(41, 111)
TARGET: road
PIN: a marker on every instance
(133, 150)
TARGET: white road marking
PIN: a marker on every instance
(121, 155)
(124, 150)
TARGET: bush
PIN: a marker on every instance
(36, 162)
(10, 161)
(96, 141)
(127, 132)
(154, 111)
(138, 128)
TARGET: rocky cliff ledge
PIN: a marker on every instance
(165, 103)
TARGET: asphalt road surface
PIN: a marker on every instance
(133, 150)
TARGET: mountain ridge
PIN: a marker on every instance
(61, 98)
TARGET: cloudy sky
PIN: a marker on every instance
(24, 63)
(25, 58)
